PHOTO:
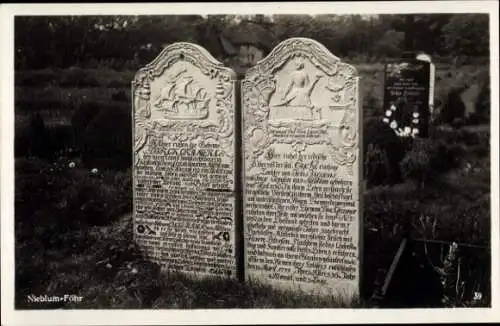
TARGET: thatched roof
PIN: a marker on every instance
(246, 33)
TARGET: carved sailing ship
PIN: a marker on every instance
(182, 98)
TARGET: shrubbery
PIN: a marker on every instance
(74, 77)
(376, 165)
(428, 158)
(81, 119)
(108, 139)
(382, 139)
(78, 77)
(61, 195)
(38, 78)
(42, 141)
(120, 96)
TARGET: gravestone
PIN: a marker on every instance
(407, 97)
(302, 136)
(432, 79)
(184, 162)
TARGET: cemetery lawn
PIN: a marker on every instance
(74, 231)
(100, 262)
(107, 271)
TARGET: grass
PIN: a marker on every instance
(74, 233)
(102, 264)
(66, 85)
(108, 271)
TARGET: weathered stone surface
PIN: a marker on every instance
(302, 136)
(184, 167)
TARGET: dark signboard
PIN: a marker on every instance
(406, 96)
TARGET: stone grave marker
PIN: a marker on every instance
(184, 161)
(302, 171)
(432, 79)
(407, 96)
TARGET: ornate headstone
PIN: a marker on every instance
(302, 136)
(184, 161)
(409, 96)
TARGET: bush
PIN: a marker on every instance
(454, 109)
(31, 105)
(416, 166)
(35, 139)
(36, 77)
(429, 158)
(471, 137)
(82, 117)
(61, 140)
(109, 147)
(483, 103)
(94, 200)
(78, 77)
(376, 165)
(445, 157)
(458, 122)
(22, 142)
(119, 83)
(120, 96)
(52, 198)
(379, 134)
(41, 141)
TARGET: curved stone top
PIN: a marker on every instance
(189, 52)
(299, 46)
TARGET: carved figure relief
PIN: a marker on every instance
(301, 144)
(301, 100)
(297, 97)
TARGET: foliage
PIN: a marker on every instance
(71, 196)
(82, 117)
(109, 147)
(483, 104)
(376, 165)
(416, 166)
(75, 77)
(58, 250)
(378, 134)
(66, 218)
(429, 158)
(78, 77)
(454, 108)
(120, 96)
(130, 41)
(466, 34)
(37, 139)
(41, 77)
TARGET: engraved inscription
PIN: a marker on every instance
(184, 162)
(301, 171)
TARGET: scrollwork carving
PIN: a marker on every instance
(185, 104)
(340, 79)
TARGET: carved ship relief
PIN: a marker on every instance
(183, 98)
(185, 104)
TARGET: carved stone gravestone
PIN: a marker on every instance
(302, 161)
(407, 96)
(184, 161)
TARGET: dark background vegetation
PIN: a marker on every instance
(73, 157)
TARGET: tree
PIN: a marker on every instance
(467, 35)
